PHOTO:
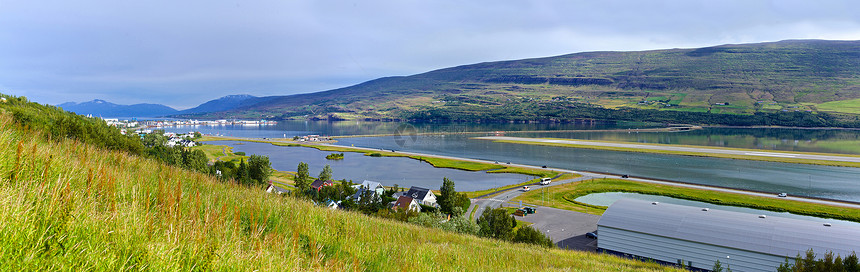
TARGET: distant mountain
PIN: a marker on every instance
(807, 76)
(221, 104)
(101, 108)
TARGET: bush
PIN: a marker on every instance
(530, 235)
(496, 223)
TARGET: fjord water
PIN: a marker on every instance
(389, 171)
(798, 179)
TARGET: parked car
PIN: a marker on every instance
(545, 181)
(591, 235)
(529, 210)
(526, 188)
(782, 195)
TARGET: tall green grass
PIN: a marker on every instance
(69, 206)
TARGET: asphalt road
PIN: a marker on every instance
(683, 149)
(586, 175)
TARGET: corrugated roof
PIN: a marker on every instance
(772, 234)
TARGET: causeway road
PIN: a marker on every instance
(660, 147)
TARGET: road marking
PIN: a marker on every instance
(770, 154)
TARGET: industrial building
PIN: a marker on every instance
(698, 237)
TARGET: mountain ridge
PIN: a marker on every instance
(102, 108)
(735, 79)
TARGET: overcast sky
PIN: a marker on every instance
(183, 53)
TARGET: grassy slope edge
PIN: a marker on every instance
(563, 197)
(70, 206)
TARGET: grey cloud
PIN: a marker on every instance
(157, 51)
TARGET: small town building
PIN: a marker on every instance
(273, 189)
(422, 195)
(319, 184)
(405, 202)
(376, 189)
(698, 237)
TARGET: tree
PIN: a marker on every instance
(530, 235)
(194, 160)
(447, 196)
(242, 176)
(496, 223)
(302, 178)
(325, 174)
(259, 169)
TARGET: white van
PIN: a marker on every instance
(545, 181)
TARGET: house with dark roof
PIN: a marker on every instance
(405, 202)
(422, 195)
(319, 184)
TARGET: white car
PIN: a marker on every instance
(526, 188)
(545, 181)
(782, 195)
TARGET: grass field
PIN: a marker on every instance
(700, 154)
(563, 197)
(564, 176)
(846, 106)
(69, 206)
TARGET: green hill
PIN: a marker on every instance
(786, 76)
(70, 205)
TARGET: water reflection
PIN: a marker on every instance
(389, 171)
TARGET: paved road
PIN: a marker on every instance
(586, 174)
(497, 200)
(684, 149)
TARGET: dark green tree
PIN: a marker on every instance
(302, 180)
(194, 160)
(447, 196)
(242, 175)
(530, 235)
(259, 169)
(325, 174)
(496, 223)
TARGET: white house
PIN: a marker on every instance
(405, 202)
(376, 188)
(422, 195)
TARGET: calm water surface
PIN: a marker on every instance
(357, 167)
(798, 179)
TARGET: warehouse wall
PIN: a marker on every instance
(671, 250)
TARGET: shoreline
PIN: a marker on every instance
(825, 159)
(814, 200)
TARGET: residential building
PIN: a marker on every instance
(422, 195)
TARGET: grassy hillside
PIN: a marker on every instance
(71, 206)
(728, 79)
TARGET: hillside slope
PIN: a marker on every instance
(221, 104)
(71, 206)
(795, 75)
(101, 108)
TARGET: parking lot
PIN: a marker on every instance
(566, 228)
